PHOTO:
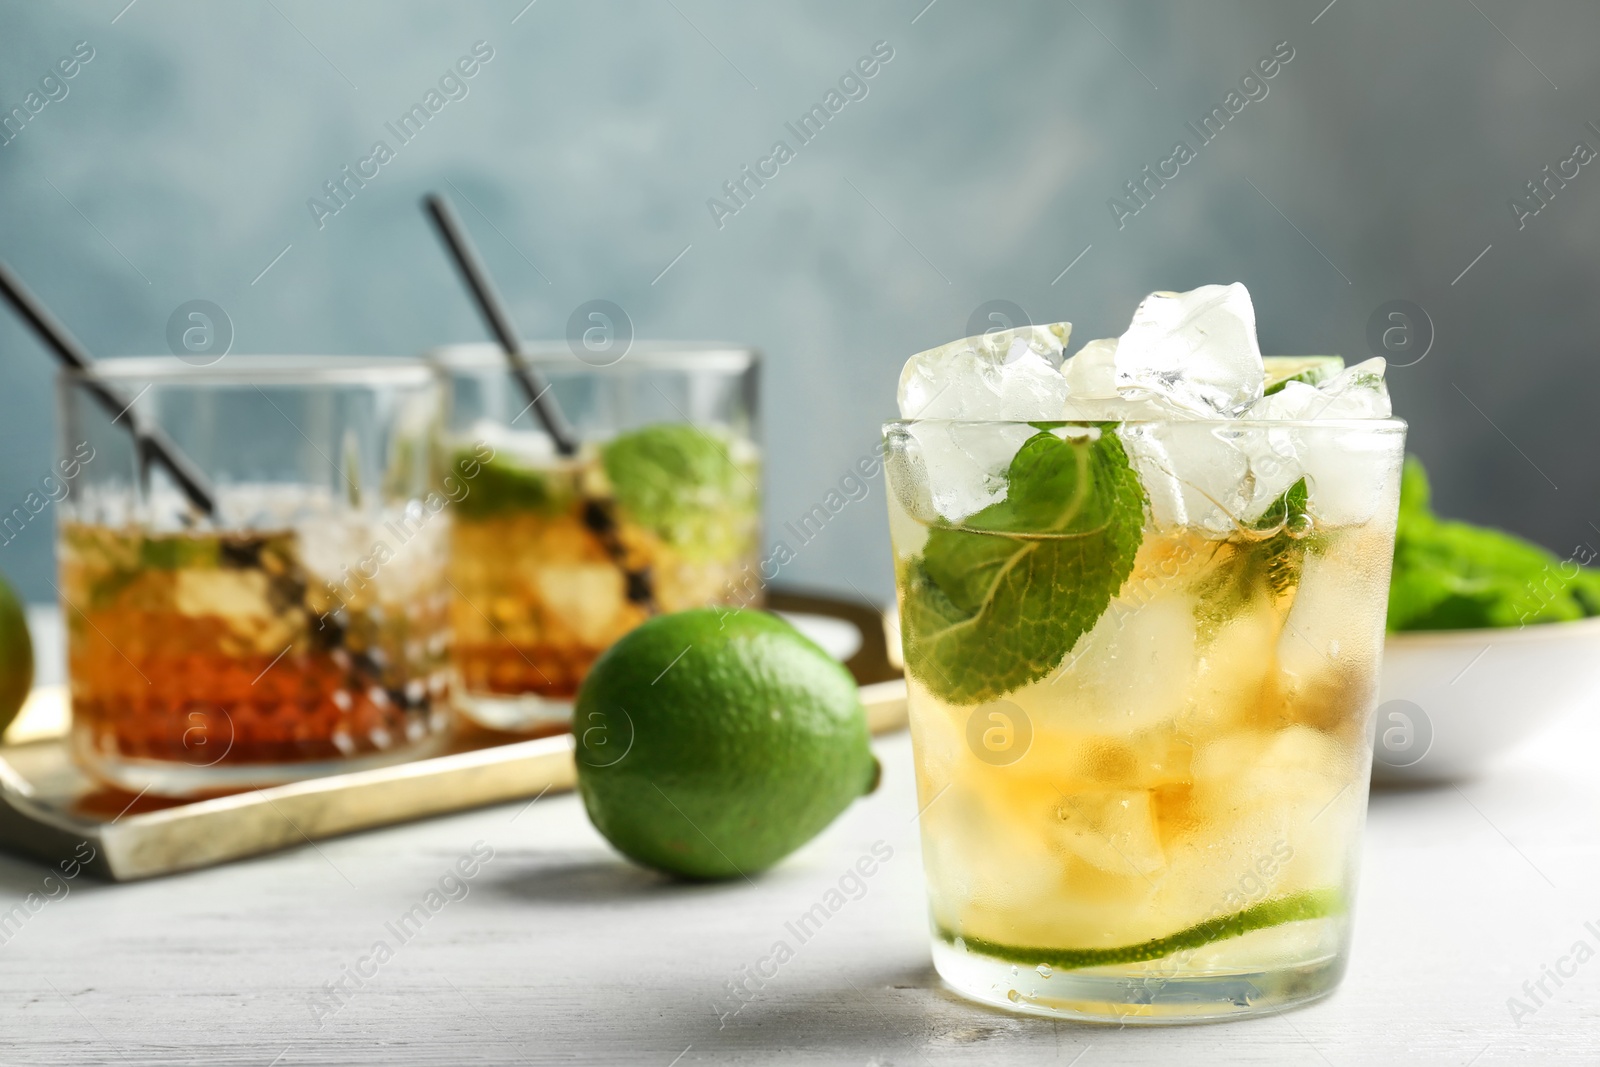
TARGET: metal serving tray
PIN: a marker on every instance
(48, 808)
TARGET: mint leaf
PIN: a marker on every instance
(1247, 570)
(1456, 576)
(1282, 554)
(505, 486)
(986, 613)
(683, 483)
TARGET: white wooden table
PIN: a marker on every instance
(559, 952)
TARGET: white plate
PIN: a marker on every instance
(1450, 702)
(838, 638)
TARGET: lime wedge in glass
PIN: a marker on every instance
(1312, 370)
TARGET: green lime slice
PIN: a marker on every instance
(1310, 904)
(1281, 370)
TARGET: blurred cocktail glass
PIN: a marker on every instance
(555, 557)
(304, 629)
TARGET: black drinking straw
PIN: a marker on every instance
(597, 514)
(476, 275)
(152, 442)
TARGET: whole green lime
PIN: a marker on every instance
(711, 744)
(16, 656)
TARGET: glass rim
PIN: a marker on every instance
(1391, 424)
(258, 369)
(558, 355)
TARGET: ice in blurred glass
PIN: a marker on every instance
(300, 631)
(1142, 597)
(553, 558)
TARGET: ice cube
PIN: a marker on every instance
(1260, 792)
(1272, 456)
(1194, 475)
(1092, 394)
(1335, 625)
(1356, 392)
(1195, 351)
(1233, 672)
(589, 598)
(1003, 375)
(1296, 400)
(948, 470)
(1114, 830)
(1128, 673)
(526, 442)
(1351, 479)
(1348, 473)
(1091, 373)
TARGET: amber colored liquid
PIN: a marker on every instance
(539, 597)
(545, 583)
(220, 650)
(1172, 770)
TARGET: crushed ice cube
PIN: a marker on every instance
(1193, 474)
(529, 445)
(1356, 392)
(1186, 361)
(1091, 373)
(1092, 393)
(1347, 483)
(1272, 455)
(962, 464)
(1002, 375)
(1196, 351)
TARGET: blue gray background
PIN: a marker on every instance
(978, 167)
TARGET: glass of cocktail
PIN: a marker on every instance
(1142, 625)
(553, 558)
(301, 630)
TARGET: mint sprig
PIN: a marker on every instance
(684, 484)
(1451, 575)
(1255, 570)
(998, 601)
(1283, 553)
(503, 486)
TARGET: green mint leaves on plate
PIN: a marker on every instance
(1455, 576)
(998, 601)
(685, 484)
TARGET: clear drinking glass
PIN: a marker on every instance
(304, 630)
(1141, 682)
(554, 558)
